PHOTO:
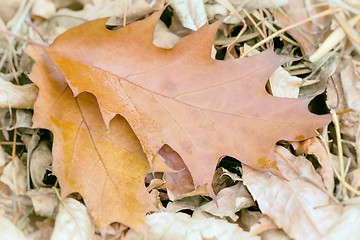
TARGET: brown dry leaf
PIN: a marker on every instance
(72, 222)
(307, 34)
(179, 226)
(107, 167)
(202, 108)
(298, 204)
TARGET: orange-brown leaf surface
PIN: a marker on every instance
(202, 108)
(106, 167)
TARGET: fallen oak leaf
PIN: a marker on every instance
(107, 167)
(201, 107)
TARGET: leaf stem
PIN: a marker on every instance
(335, 120)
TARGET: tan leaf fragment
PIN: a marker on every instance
(44, 201)
(14, 176)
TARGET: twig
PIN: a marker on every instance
(8, 33)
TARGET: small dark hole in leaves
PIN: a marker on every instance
(187, 211)
(115, 23)
(167, 15)
(278, 43)
(231, 164)
(220, 53)
(318, 105)
(49, 179)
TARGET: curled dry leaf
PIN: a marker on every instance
(106, 166)
(298, 204)
(172, 225)
(229, 201)
(9, 120)
(40, 160)
(284, 85)
(202, 108)
(281, 82)
(44, 201)
(72, 222)
(191, 14)
(16, 96)
(314, 146)
(16, 184)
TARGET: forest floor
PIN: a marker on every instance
(314, 192)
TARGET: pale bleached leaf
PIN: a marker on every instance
(163, 37)
(179, 226)
(72, 222)
(298, 204)
(17, 96)
(191, 13)
(284, 85)
(43, 8)
(348, 226)
(8, 231)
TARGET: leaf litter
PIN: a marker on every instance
(28, 183)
